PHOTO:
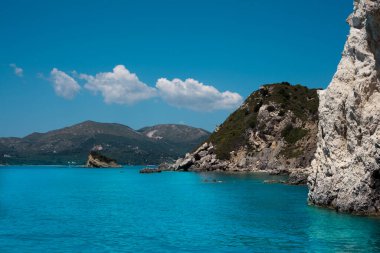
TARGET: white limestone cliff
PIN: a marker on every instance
(346, 170)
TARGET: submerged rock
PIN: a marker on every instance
(274, 181)
(298, 177)
(96, 160)
(149, 171)
(346, 170)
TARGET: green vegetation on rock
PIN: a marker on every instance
(300, 100)
(292, 135)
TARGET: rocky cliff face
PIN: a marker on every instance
(346, 170)
(274, 130)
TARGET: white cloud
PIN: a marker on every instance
(123, 87)
(194, 95)
(17, 70)
(64, 85)
(119, 86)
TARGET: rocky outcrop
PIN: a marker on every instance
(203, 159)
(274, 131)
(96, 160)
(346, 171)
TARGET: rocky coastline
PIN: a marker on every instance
(331, 141)
(204, 160)
(273, 132)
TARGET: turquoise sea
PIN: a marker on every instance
(61, 209)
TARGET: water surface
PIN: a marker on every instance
(60, 209)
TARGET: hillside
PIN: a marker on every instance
(275, 129)
(179, 137)
(127, 146)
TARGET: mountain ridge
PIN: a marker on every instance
(126, 145)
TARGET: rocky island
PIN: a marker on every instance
(96, 160)
(346, 171)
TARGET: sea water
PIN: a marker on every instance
(62, 209)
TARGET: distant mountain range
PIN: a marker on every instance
(71, 145)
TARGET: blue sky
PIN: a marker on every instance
(234, 46)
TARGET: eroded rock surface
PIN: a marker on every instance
(203, 159)
(346, 171)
